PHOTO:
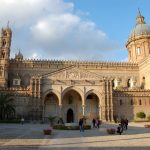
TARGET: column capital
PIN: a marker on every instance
(60, 105)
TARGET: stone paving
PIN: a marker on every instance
(30, 137)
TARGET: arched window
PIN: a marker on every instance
(113, 84)
(4, 33)
(143, 83)
(140, 102)
(128, 83)
(138, 50)
(4, 43)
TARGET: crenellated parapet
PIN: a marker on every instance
(17, 91)
(39, 63)
(131, 93)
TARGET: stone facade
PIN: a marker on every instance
(73, 89)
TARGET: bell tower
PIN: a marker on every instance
(5, 43)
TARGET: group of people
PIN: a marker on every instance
(96, 123)
(123, 125)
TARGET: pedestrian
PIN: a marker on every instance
(81, 125)
(126, 123)
(120, 129)
(93, 122)
(22, 120)
(98, 123)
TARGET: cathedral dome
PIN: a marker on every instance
(141, 27)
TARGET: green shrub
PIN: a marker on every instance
(141, 115)
(63, 127)
(10, 121)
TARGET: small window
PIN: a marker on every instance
(120, 102)
(140, 102)
(16, 81)
(138, 50)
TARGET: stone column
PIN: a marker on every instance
(111, 102)
(103, 102)
(39, 88)
(60, 110)
(83, 110)
(99, 111)
(35, 85)
(107, 89)
(43, 117)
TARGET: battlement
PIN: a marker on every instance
(42, 62)
(16, 91)
(131, 92)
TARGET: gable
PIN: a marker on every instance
(73, 74)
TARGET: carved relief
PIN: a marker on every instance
(74, 74)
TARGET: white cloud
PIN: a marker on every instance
(54, 29)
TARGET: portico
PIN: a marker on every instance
(73, 93)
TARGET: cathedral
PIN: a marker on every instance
(73, 89)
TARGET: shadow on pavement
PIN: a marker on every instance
(71, 148)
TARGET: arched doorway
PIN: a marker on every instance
(51, 105)
(71, 106)
(70, 117)
(92, 107)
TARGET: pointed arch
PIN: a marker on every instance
(78, 90)
(54, 91)
(93, 91)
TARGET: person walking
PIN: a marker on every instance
(120, 129)
(81, 125)
(98, 123)
(126, 123)
(22, 120)
(94, 122)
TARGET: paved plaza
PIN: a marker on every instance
(30, 137)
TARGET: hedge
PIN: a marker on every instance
(63, 127)
(9, 121)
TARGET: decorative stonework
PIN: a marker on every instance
(74, 74)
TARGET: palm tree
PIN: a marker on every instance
(6, 106)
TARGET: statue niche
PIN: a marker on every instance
(3, 54)
(4, 43)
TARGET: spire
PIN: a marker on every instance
(139, 18)
(19, 56)
(139, 12)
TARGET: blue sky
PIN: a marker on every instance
(72, 29)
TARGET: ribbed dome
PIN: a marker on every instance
(141, 27)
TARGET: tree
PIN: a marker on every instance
(6, 106)
(141, 115)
